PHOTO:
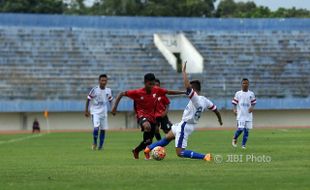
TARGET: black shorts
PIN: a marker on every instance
(143, 120)
(164, 123)
(36, 128)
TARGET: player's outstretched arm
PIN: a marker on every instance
(185, 79)
(175, 92)
(117, 100)
(219, 117)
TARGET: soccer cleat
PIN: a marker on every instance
(234, 143)
(147, 151)
(243, 147)
(94, 147)
(100, 148)
(135, 154)
(208, 157)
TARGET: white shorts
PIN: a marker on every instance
(100, 121)
(181, 132)
(244, 124)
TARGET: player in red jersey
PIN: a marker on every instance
(161, 116)
(145, 100)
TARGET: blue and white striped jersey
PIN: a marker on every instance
(195, 107)
(99, 99)
(243, 101)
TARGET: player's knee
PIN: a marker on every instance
(148, 141)
(147, 127)
(170, 136)
(166, 131)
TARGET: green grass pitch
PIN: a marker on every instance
(274, 159)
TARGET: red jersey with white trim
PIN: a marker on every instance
(161, 106)
(243, 101)
(145, 104)
(195, 107)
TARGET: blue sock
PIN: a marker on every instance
(163, 142)
(95, 135)
(237, 133)
(245, 136)
(101, 138)
(191, 154)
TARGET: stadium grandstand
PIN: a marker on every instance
(50, 62)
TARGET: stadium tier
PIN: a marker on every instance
(52, 61)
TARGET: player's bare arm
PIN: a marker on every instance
(117, 100)
(185, 79)
(219, 117)
(112, 101)
(251, 109)
(175, 92)
(87, 114)
(235, 110)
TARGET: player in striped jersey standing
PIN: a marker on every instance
(244, 102)
(96, 102)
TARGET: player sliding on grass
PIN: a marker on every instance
(181, 131)
(145, 100)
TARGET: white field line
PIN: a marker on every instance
(21, 138)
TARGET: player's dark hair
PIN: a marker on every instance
(102, 76)
(157, 80)
(149, 77)
(245, 79)
(196, 85)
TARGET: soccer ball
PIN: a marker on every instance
(158, 153)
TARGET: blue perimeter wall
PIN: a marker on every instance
(149, 23)
(126, 105)
(152, 23)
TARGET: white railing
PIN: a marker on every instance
(165, 51)
(168, 44)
